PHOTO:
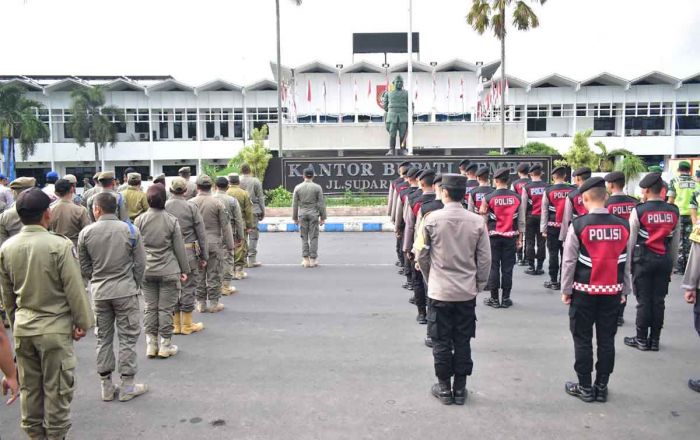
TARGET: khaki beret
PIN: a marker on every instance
(22, 183)
(178, 185)
(185, 170)
(133, 177)
(203, 180)
(106, 175)
(71, 178)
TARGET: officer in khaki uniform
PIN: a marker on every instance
(309, 212)
(67, 218)
(44, 295)
(191, 191)
(89, 192)
(233, 211)
(254, 188)
(10, 223)
(134, 197)
(195, 237)
(113, 258)
(218, 229)
(241, 252)
(106, 179)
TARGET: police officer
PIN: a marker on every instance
(531, 212)
(134, 197)
(309, 212)
(409, 227)
(574, 207)
(680, 193)
(233, 211)
(246, 205)
(691, 285)
(595, 280)
(425, 179)
(74, 183)
(476, 196)
(185, 173)
(45, 299)
(456, 258)
(621, 205)
(106, 179)
(654, 229)
(399, 219)
(472, 182)
(517, 186)
(501, 208)
(396, 208)
(10, 223)
(553, 203)
(67, 218)
(254, 188)
(167, 266)
(391, 202)
(218, 230)
(194, 235)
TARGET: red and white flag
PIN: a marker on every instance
(325, 92)
(369, 88)
(461, 88)
(415, 98)
(308, 91)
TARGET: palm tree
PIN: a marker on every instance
(491, 14)
(279, 74)
(92, 120)
(19, 121)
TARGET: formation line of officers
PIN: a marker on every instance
(70, 263)
(457, 235)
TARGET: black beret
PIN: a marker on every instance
(405, 164)
(63, 186)
(471, 167)
(412, 172)
(650, 180)
(454, 181)
(309, 172)
(31, 202)
(502, 173)
(221, 181)
(523, 168)
(559, 170)
(483, 171)
(464, 163)
(580, 171)
(615, 176)
(592, 182)
(438, 178)
(536, 168)
(426, 173)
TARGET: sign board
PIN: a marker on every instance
(386, 42)
(372, 175)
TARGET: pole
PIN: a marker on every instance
(503, 95)
(279, 80)
(409, 88)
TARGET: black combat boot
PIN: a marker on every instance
(620, 320)
(412, 299)
(407, 286)
(531, 269)
(637, 342)
(398, 263)
(582, 392)
(600, 387)
(493, 300)
(552, 284)
(401, 272)
(505, 300)
(459, 390)
(428, 341)
(694, 384)
(523, 262)
(539, 270)
(421, 318)
(654, 336)
(443, 391)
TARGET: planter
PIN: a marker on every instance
(336, 211)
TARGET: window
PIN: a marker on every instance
(121, 127)
(177, 126)
(238, 130)
(645, 123)
(171, 170)
(192, 124)
(80, 173)
(537, 124)
(163, 130)
(581, 110)
(688, 122)
(604, 124)
(223, 126)
(556, 111)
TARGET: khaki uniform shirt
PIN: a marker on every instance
(216, 222)
(136, 201)
(254, 188)
(6, 195)
(165, 247)
(191, 222)
(233, 210)
(10, 224)
(122, 208)
(42, 289)
(308, 200)
(89, 193)
(244, 202)
(191, 191)
(112, 257)
(68, 219)
(456, 253)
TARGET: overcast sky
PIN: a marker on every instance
(199, 40)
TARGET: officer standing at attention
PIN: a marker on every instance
(115, 272)
(218, 229)
(621, 205)
(5, 192)
(74, 182)
(309, 212)
(395, 218)
(125, 180)
(166, 268)
(426, 178)
(106, 179)
(194, 236)
(185, 173)
(44, 296)
(472, 182)
(654, 236)
(456, 258)
(233, 211)
(595, 280)
(476, 196)
(574, 207)
(680, 193)
(531, 212)
(254, 188)
(517, 186)
(407, 189)
(246, 205)
(391, 201)
(553, 203)
(135, 198)
(409, 216)
(690, 286)
(67, 218)
(501, 208)
(10, 223)
(89, 192)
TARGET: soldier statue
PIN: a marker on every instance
(395, 104)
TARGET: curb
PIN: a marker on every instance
(350, 225)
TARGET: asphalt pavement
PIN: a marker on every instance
(335, 353)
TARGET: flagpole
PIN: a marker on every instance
(409, 134)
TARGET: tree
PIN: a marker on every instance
(631, 166)
(537, 149)
(491, 14)
(256, 155)
(93, 121)
(279, 73)
(19, 121)
(580, 154)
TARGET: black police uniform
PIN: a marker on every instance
(517, 186)
(532, 195)
(425, 209)
(556, 200)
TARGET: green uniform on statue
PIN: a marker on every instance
(396, 106)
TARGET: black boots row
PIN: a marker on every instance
(598, 392)
(447, 395)
(532, 270)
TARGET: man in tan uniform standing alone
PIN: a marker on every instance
(45, 299)
(254, 188)
(309, 212)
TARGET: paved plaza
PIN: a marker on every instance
(335, 353)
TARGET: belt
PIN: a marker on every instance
(192, 245)
(554, 224)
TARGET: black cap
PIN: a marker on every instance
(650, 180)
(464, 163)
(426, 173)
(536, 168)
(592, 182)
(454, 181)
(559, 170)
(483, 171)
(221, 181)
(502, 173)
(63, 186)
(438, 178)
(309, 172)
(31, 202)
(615, 176)
(471, 167)
(523, 168)
(412, 172)
(580, 171)
(405, 164)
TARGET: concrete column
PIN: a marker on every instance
(199, 142)
(53, 149)
(673, 126)
(150, 136)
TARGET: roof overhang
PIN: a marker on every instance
(489, 69)
(123, 85)
(692, 79)
(25, 84)
(170, 85)
(66, 85)
(605, 79)
(262, 85)
(315, 67)
(416, 66)
(654, 78)
(456, 65)
(362, 67)
(554, 80)
(513, 82)
(219, 85)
